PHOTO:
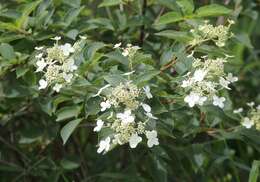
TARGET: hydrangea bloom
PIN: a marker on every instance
(56, 64)
(205, 81)
(126, 104)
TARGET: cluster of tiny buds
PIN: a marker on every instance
(218, 34)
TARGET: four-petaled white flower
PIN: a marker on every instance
(134, 140)
(70, 65)
(250, 104)
(224, 83)
(99, 126)
(43, 84)
(239, 110)
(147, 92)
(152, 138)
(199, 75)
(218, 101)
(126, 117)
(57, 87)
(202, 100)
(105, 105)
(41, 64)
(247, 123)
(117, 45)
(56, 38)
(104, 145)
(67, 49)
(67, 77)
(186, 83)
(231, 78)
(194, 98)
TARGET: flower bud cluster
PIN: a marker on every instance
(57, 65)
(128, 116)
(218, 34)
(205, 82)
(252, 117)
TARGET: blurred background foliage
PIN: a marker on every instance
(31, 147)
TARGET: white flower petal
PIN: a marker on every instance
(134, 140)
(239, 110)
(117, 45)
(43, 84)
(126, 117)
(247, 123)
(147, 92)
(104, 145)
(219, 101)
(146, 107)
(105, 105)
(152, 138)
(199, 75)
(57, 87)
(99, 126)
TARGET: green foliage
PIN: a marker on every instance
(48, 136)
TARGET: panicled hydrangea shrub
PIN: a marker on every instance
(206, 32)
(205, 82)
(126, 116)
(252, 118)
(57, 64)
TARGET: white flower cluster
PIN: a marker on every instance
(218, 34)
(128, 51)
(126, 115)
(205, 82)
(252, 118)
(57, 65)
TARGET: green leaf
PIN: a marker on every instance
(20, 71)
(176, 35)
(170, 17)
(68, 129)
(69, 164)
(148, 75)
(254, 173)
(187, 6)
(107, 3)
(212, 10)
(23, 20)
(9, 26)
(92, 48)
(7, 51)
(71, 15)
(114, 79)
(244, 39)
(68, 112)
